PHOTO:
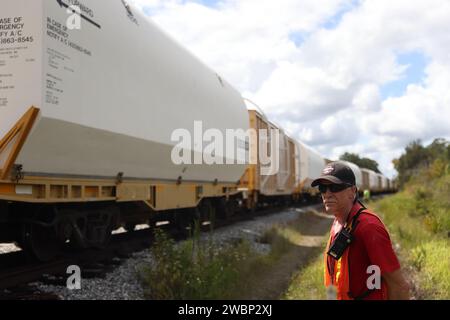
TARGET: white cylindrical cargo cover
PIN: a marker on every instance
(389, 184)
(357, 171)
(113, 92)
(309, 163)
(383, 186)
(373, 180)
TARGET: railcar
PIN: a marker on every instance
(309, 166)
(358, 174)
(88, 114)
(272, 181)
(97, 108)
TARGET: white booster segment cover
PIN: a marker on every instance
(373, 179)
(309, 165)
(357, 172)
(111, 91)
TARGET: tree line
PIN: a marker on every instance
(361, 162)
(435, 158)
(416, 158)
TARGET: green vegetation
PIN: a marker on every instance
(194, 270)
(418, 158)
(361, 162)
(307, 284)
(282, 239)
(419, 221)
(419, 216)
(197, 269)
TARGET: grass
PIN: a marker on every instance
(419, 221)
(194, 269)
(282, 239)
(307, 284)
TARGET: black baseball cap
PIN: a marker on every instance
(336, 172)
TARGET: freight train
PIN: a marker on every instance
(90, 96)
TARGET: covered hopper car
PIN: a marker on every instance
(92, 115)
(87, 117)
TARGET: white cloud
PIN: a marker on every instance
(325, 85)
(242, 39)
(367, 98)
(423, 112)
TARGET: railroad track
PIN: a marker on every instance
(17, 270)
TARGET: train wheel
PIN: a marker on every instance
(207, 212)
(103, 237)
(130, 227)
(225, 208)
(41, 242)
(183, 220)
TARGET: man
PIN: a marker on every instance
(359, 250)
(366, 194)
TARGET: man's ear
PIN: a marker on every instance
(353, 194)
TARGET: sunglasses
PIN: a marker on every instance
(333, 187)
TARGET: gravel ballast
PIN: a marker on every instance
(123, 284)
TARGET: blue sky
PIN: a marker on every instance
(334, 21)
(415, 74)
(208, 3)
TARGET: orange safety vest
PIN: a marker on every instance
(341, 271)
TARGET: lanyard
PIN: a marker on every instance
(331, 263)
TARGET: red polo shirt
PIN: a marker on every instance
(371, 246)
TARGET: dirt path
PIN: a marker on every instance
(314, 227)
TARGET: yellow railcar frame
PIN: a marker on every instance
(158, 195)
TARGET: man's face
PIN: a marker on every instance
(338, 203)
